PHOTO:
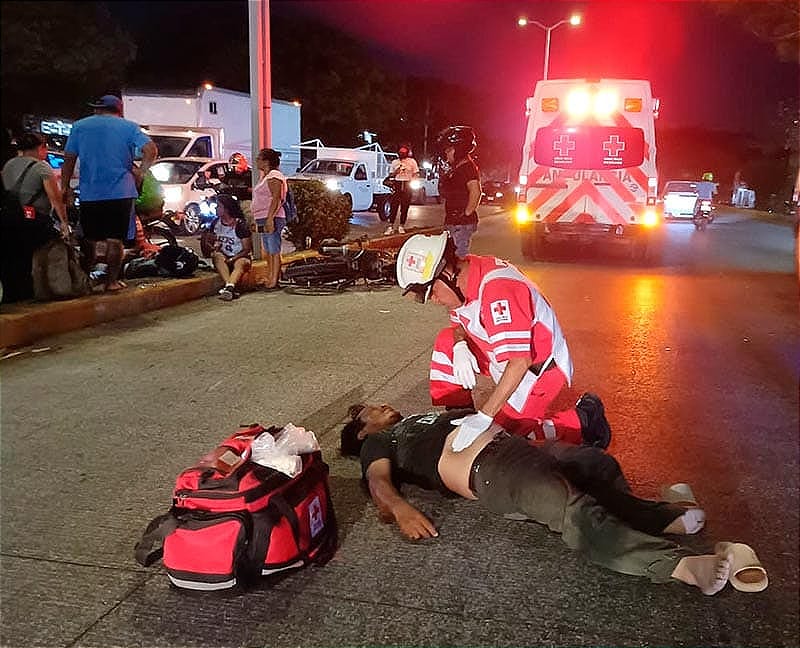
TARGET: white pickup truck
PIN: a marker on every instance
(680, 199)
(357, 173)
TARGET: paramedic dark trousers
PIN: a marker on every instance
(511, 477)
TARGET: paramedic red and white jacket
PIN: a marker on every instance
(505, 316)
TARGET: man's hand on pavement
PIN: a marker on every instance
(465, 365)
(472, 427)
(413, 524)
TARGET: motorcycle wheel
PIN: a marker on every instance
(191, 220)
(383, 208)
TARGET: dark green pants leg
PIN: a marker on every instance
(519, 479)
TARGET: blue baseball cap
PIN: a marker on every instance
(109, 102)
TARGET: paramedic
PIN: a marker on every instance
(502, 327)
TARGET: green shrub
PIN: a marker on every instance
(321, 214)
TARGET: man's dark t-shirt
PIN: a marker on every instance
(413, 446)
(240, 183)
(453, 188)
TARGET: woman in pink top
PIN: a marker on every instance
(267, 206)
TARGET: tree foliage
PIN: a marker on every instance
(321, 214)
(58, 55)
(777, 22)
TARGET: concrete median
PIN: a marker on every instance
(24, 323)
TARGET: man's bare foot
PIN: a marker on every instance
(691, 522)
(709, 573)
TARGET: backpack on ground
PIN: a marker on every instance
(290, 207)
(57, 273)
(176, 261)
(234, 521)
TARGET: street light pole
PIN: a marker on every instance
(547, 50)
(573, 20)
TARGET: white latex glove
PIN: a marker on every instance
(465, 365)
(471, 428)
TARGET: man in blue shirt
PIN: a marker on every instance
(106, 144)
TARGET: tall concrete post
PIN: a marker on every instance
(260, 88)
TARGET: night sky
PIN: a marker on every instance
(707, 70)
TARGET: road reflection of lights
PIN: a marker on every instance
(646, 301)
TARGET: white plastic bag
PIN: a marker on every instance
(282, 452)
(296, 440)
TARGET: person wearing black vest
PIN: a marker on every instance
(31, 182)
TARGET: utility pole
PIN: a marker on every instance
(425, 136)
(260, 88)
(260, 76)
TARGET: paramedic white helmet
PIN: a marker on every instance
(419, 262)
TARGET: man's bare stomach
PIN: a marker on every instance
(454, 467)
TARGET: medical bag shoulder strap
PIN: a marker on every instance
(151, 547)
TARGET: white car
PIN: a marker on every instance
(181, 199)
(681, 199)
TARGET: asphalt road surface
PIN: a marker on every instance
(696, 359)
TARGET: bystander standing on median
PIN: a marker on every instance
(106, 144)
(268, 212)
(31, 180)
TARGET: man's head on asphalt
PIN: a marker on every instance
(108, 104)
(365, 420)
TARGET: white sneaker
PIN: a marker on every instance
(401, 230)
(389, 230)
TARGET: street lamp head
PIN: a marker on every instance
(522, 21)
(575, 20)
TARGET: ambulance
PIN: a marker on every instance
(588, 169)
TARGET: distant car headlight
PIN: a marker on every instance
(416, 184)
(173, 195)
(498, 194)
(332, 185)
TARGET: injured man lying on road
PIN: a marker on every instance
(577, 491)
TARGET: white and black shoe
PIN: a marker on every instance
(226, 293)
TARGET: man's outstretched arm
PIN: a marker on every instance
(391, 505)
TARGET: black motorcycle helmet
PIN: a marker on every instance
(461, 138)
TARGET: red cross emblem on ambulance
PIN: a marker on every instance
(613, 146)
(501, 313)
(563, 144)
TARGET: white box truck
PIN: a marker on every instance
(357, 173)
(211, 122)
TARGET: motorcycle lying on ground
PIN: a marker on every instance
(703, 216)
(338, 267)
